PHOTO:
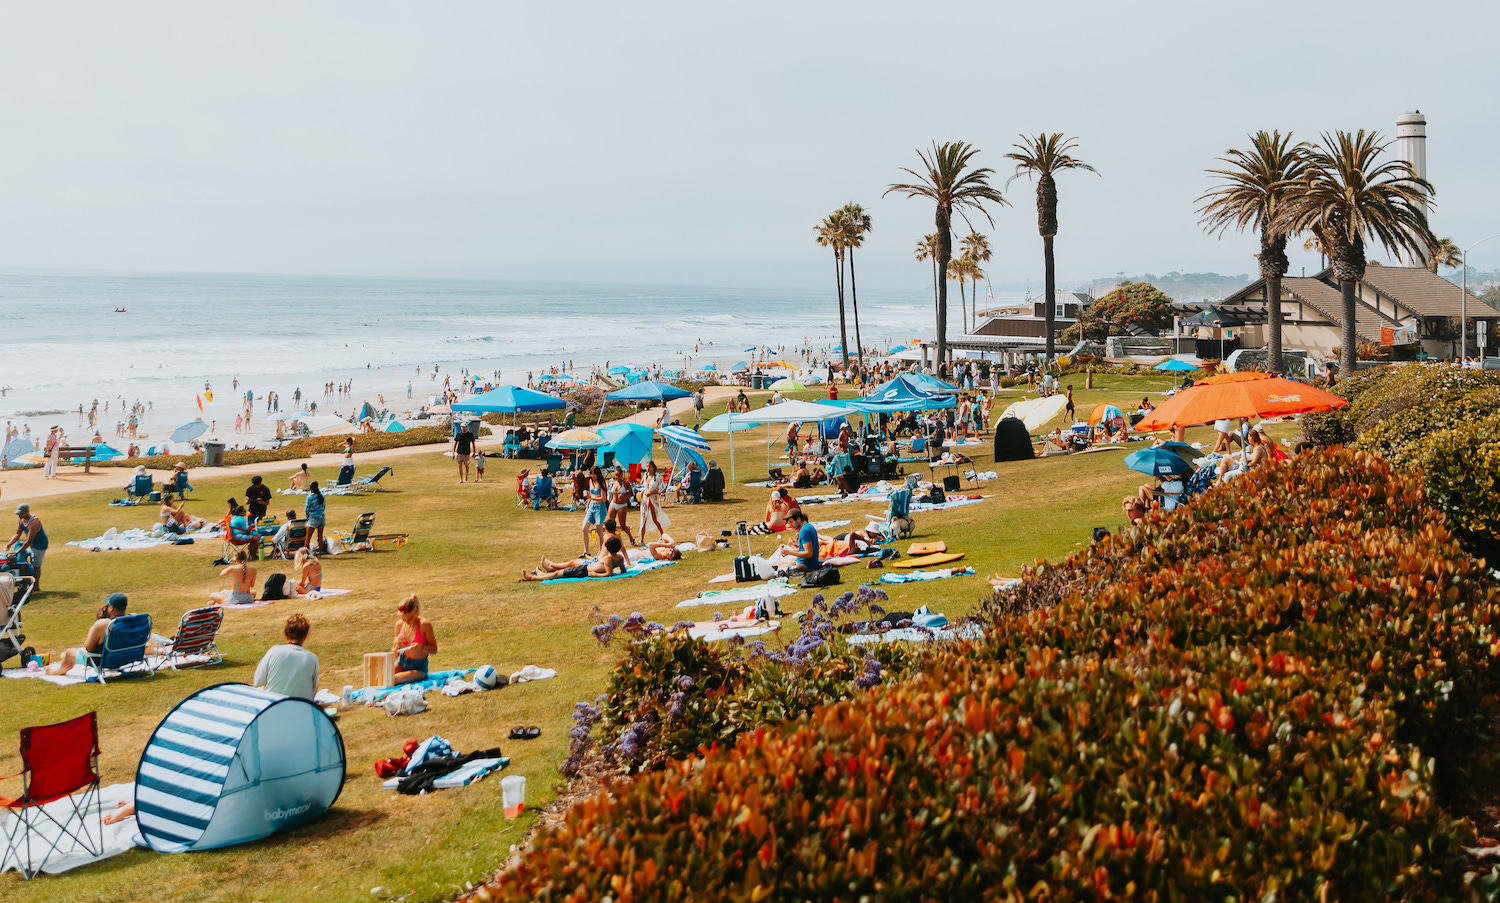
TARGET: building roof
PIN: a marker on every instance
(1329, 302)
(1425, 292)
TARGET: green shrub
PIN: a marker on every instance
(1253, 698)
(296, 450)
(1462, 469)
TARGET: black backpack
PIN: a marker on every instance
(821, 577)
(275, 588)
(936, 496)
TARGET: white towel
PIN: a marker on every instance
(118, 837)
(532, 672)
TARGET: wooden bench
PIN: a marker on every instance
(68, 453)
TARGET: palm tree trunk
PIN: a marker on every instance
(963, 307)
(838, 262)
(1273, 298)
(1049, 304)
(859, 345)
(1347, 354)
(944, 255)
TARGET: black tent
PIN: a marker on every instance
(1012, 441)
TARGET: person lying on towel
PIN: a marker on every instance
(609, 563)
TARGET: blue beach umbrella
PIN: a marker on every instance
(616, 371)
(15, 448)
(548, 377)
(103, 452)
(1173, 365)
(722, 424)
(1157, 462)
(897, 350)
(681, 455)
(684, 436)
(740, 367)
(395, 427)
(189, 431)
(709, 367)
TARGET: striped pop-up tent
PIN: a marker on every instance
(232, 764)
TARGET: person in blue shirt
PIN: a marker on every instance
(805, 551)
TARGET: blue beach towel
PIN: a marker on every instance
(635, 571)
(919, 576)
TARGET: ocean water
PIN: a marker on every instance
(64, 344)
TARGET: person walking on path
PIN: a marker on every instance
(698, 404)
(30, 537)
(53, 451)
(463, 449)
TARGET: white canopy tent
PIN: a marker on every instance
(786, 412)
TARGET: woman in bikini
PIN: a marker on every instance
(652, 488)
(777, 509)
(301, 478)
(243, 592)
(620, 492)
(415, 641)
(309, 572)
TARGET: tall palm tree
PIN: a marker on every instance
(1042, 157)
(950, 183)
(976, 248)
(832, 232)
(1348, 195)
(961, 270)
(1252, 190)
(927, 250)
(856, 225)
(1444, 254)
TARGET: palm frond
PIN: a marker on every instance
(1045, 154)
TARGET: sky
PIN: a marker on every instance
(686, 142)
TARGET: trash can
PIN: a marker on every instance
(757, 381)
(213, 454)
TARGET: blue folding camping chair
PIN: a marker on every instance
(124, 647)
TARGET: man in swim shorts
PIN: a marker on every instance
(93, 644)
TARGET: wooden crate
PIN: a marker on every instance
(380, 669)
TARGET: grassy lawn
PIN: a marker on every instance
(469, 544)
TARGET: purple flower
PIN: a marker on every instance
(876, 611)
(870, 675)
(684, 682)
(680, 625)
(718, 616)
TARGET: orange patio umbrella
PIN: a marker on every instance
(1234, 395)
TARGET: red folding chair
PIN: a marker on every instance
(57, 760)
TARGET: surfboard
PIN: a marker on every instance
(928, 560)
(927, 548)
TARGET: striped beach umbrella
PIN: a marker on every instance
(685, 436)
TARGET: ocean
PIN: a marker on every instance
(64, 344)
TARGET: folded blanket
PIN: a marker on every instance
(962, 632)
(919, 576)
(775, 589)
(532, 672)
(635, 570)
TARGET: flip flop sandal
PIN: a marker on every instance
(533, 732)
(518, 733)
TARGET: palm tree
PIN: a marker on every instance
(976, 249)
(1043, 156)
(950, 183)
(1254, 187)
(927, 250)
(961, 270)
(856, 225)
(832, 232)
(1348, 195)
(1444, 254)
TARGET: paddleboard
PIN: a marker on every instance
(927, 548)
(928, 560)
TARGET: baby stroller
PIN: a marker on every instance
(14, 594)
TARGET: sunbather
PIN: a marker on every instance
(804, 551)
(244, 581)
(1135, 509)
(301, 478)
(93, 643)
(664, 549)
(309, 573)
(781, 505)
(175, 518)
(611, 561)
(415, 641)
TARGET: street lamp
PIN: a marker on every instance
(1463, 304)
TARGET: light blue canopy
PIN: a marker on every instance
(103, 452)
(932, 385)
(631, 442)
(897, 350)
(740, 367)
(648, 390)
(395, 427)
(1173, 365)
(709, 367)
(231, 764)
(510, 400)
(901, 394)
(616, 371)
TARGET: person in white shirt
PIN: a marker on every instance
(290, 669)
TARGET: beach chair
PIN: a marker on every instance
(236, 537)
(554, 464)
(373, 481)
(512, 447)
(359, 536)
(124, 647)
(150, 452)
(197, 634)
(544, 493)
(15, 592)
(607, 460)
(343, 483)
(296, 538)
(140, 488)
(57, 761)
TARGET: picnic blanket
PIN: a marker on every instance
(326, 490)
(135, 538)
(954, 501)
(75, 675)
(260, 603)
(829, 524)
(913, 634)
(635, 570)
(775, 589)
(118, 837)
(723, 630)
(920, 576)
(435, 681)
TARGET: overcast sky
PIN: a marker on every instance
(685, 142)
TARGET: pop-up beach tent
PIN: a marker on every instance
(231, 764)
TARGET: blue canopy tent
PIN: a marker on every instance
(631, 442)
(395, 427)
(648, 390)
(509, 400)
(904, 393)
(231, 764)
(1173, 365)
(932, 385)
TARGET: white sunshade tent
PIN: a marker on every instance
(786, 412)
(231, 764)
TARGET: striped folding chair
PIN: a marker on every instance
(197, 634)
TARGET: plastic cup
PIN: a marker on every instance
(513, 792)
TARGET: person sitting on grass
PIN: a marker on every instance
(805, 551)
(93, 643)
(415, 641)
(777, 510)
(175, 518)
(243, 592)
(1259, 453)
(289, 669)
(611, 561)
(309, 573)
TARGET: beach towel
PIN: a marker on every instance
(912, 634)
(435, 681)
(129, 540)
(635, 570)
(829, 524)
(75, 676)
(775, 589)
(954, 501)
(532, 672)
(919, 576)
(259, 603)
(118, 837)
(723, 630)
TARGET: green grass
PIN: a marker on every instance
(469, 543)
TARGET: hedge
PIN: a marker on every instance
(1269, 694)
(296, 450)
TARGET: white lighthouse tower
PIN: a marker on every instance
(1411, 146)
